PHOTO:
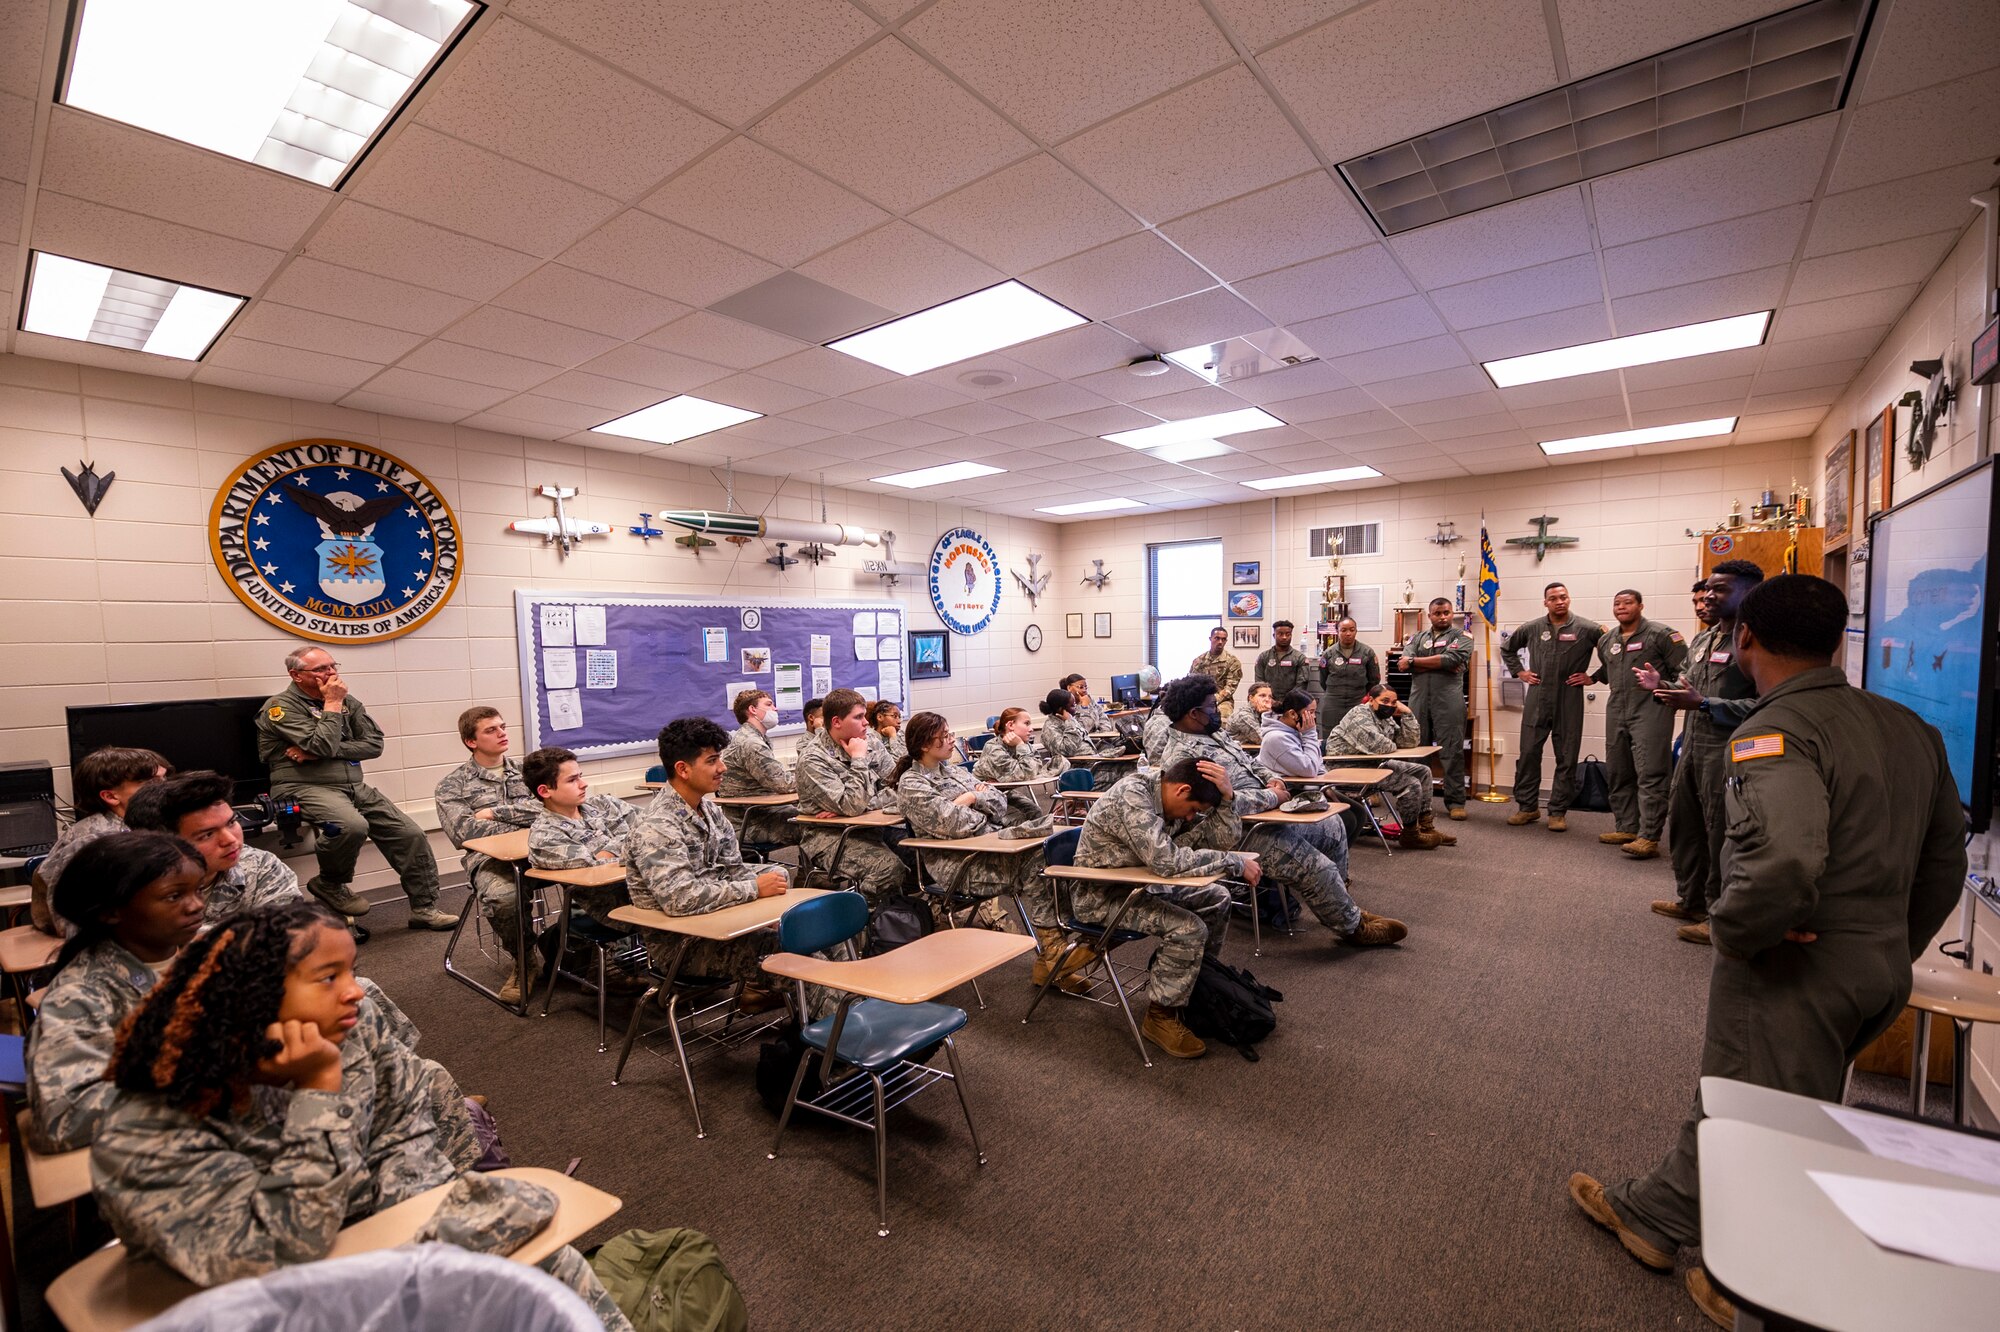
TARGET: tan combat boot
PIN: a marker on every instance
(1617, 838)
(1642, 848)
(1523, 816)
(510, 993)
(1417, 838)
(1376, 931)
(1164, 1028)
(1045, 960)
(1428, 823)
(1696, 933)
(1558, 823)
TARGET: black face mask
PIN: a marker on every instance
(1211, 720)
(1385, 713)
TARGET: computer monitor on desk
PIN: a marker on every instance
(1125, 689)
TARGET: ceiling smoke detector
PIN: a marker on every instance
(1148, 366)
(986, 378)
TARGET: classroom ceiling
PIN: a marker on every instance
(536, 245)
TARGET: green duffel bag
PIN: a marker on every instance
(670, 1281)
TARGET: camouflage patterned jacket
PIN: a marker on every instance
(70, 841)
(1224, 667)
(685, 861)
(928, 797)
(751, 768)
(468, 789)
(832, 781)
(1153, 738)
(71, 1040)
(1129, 828)
(1246, 725)
(257, 879)
(1247, 777)
(1362, 732)
(1066, 738)
(1001, 762)
(601, 825)
(883, 755)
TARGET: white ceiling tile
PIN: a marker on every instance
(544, 412)
(444, 393)
(435, 178)
(502, 422)
(1261, 22)
(1030, 213)
(390, 246)
(1325, 406)
(757, 394)
(1937, 201)
(908, 434)
(647, 252)
(1736, 246)
(1598, 34)
(1888, 265)
(1866, 309)
(1836, 374)
(1485, 402)
(1602, 414)
(1410, 358)
(239, 353)
(725, 341)
(1294, 382)
(906, 397)
(477, 365)
(1842, 346)
(1365, 276)
(731, 58)
(1467, 427)
(1561, 285)
(1797, 400)
(840, 414)
(1717, 298)
(757, 201)
(1203, 400)
(1121, 385)
(276, 386)
(364, 297)
(1206, 317)
(1166, 158)
(1921, 131)
(1055, 441)
(1432, 384)
(1714, 367)
(1128, 274)
(526, 96)
(1497, 240)
(1369, 327)
(17, 135)
(389, 404)
(1689, 395)
(1106, 421)
(1518, 337)
(1907, 54)
(1283, 224)
(1051, 400)
(517, 334)
(126, 168)
(777, 430)
(608, 397)
(1370, 77)
(900, 268)
(584, 300)
(100, 235)
(891, 127)
(23, 29)
(1749, 175)
(965, 376)
(1576, 388)
(311, 331)
(826, 372)
(1078, 351)
(1055, 66)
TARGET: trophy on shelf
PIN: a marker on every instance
(1333, 596)
(1409, 615)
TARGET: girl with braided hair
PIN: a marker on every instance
(258, 1114)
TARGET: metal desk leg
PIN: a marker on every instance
(1961, 1055)
(1920, 1050)
(522, 942)
(562, 947)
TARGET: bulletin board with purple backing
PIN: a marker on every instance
(602, 672)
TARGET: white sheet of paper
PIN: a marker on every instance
(864, 623)
(868, 692)
(889, 678)
(1947, 1225)
(590, 626)
(864, 649)
(889, 649)
(565, 710)
(822, 650)
(730, 691)
(1923, 1145)
(788, 681)
(558, 626)
(888, 622)
(714, 645)
(822, 681)
(600, 668)
(558, 668)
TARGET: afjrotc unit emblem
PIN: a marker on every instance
(335, 541)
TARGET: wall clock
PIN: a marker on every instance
(1031, 638)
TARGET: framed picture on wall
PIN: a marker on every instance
(930, 654)
(1246, 573)
(1877, 467)
(1100, 625)
(1245, 636)
(1246, 605)
(1836, 510)
(1073, 625)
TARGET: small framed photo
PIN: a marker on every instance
(1837, 508)
(1246, 605)
(1877, 467)
(1100, 625)
(1246, 573)
(930, 654)
(1245, 636)
(1073, 625)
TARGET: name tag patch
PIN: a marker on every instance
(1718, 658)
(1568, 638)
(1756, 747)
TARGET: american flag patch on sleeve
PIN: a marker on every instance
(1756, 747)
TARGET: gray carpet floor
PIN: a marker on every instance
(1396, 1159)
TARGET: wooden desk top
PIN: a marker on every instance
(1128, 875)
(1083, 761)
(1025, 781)
(652, 786)
(1333, 807)
(732, 922)
(589, 876)
(758, 801)
(991, 842)
(1412, 753)
(1344, 777)
(874, 818)
(53, 1180)
(1950, 991)
(16, 895)
(918, 971)
(510, 845)
(1081, 795)
(25, 948)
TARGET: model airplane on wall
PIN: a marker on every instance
(561, 530)
(707, 522)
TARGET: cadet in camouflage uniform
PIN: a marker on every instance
(1153, 738)
(1177, 824)
(575, 829)
(1346, 670)
(101, 785)
(1064, 736)
(885, 740)
(1013, 756)
(1246, 727)
(943, 802)
(833, 782)
(1376, 725)
(195, 806)
(751, 769)
(314, 736)
(223, 1165)
(1638, 730)
(1092, 714)
(1439, 659)
(1560, 645)
(1845, 854)
(1222, 666)
(484, 797)
(1282, 666)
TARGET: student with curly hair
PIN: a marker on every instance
(102, 782)
(257, 1115)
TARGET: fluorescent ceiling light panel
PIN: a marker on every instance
(68, 298)
(300, 86)
(1192, 449)
(1091, 506)
(985, 321)
(937, 476)
(1196, 427)
(1623, 439)
(1313, 478)
(678, 418)
(1668, 344)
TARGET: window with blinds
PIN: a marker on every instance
(1351, 539)
(1183, 602)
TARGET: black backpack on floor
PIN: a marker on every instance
(1593, 787)
(1230, 1005)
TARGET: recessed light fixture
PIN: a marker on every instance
(1624, 439)
(300, 86)
(1091, 506)
(937, 476)
(68, 298)
(985, 321)
(1196, 427)
(1667, 344)
(678, 418)
(1313, 478)
(1191, 449)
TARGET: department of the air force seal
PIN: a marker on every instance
(335, 541)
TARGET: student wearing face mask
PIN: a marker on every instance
(1381, 722)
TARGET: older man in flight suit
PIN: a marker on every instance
(1438, 660)
(1638, 730)
(1845, 854)
(1560, 646)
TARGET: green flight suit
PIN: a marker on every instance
(1285, 671)
(1437, 696)
(1696, 818)
(1554, 710)
(1345, 675)
(329, 788)
(1843, 822)
(1638, 729)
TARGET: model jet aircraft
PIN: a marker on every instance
(562, 530)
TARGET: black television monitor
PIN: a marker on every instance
(1932, 621)
(1125, 689)
(218, 733)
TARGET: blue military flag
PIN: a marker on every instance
(1489, 578)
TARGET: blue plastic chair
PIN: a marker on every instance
(993, 721)
(874, 1038)
(657, 773)
(975, 743)
(1106, 938)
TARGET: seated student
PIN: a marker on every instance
(1064, 736)
(1308, 858)
(1013, 756)
(1291, 740)
(683, 859)
(1092, 714)
(482, 796)
(1247, 727)
(885, 740)
(1174, 824)
(1153, 737)
(1377, 724)
(815, 714)
(749, 768)
(136, 901)
(102, 782)
(836, 781)
(194, 806)
(575, 829)
(257, 1115)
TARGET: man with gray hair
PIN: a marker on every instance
(314, 736)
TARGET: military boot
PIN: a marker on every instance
(1617, 838)
(1642, 848)
(1417, 838)
(1708, 1299)
(1523, 816)
(1164, 1028)
(1045, 960)
(510, 993)
(1427, 822)
(339, 897)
